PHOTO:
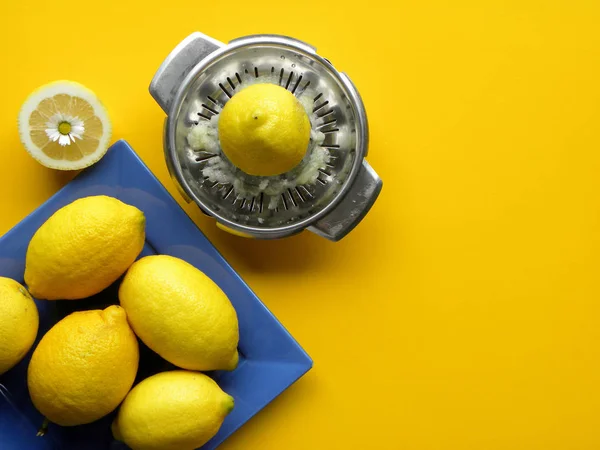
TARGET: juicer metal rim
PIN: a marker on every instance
(308, 51)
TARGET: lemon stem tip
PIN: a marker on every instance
(44, 428)
(229, 404)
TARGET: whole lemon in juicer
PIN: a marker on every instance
(264, 130)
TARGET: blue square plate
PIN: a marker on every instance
(270, 359)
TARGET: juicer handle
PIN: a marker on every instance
(178, 64)
(353, 207)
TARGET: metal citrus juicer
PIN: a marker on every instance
(196, 80)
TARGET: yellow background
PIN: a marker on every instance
(464, 312)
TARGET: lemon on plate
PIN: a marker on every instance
(264, 130)
(83, 248)
(84, 366)
(180, 313)
(19, 322)
(177, 410)
(64, 126)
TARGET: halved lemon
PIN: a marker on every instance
(264, 130)
(64, 126)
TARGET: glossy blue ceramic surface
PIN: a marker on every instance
(270, 359)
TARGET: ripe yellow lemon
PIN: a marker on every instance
(19, 322)
(176, 410)
(180, 313)
(83, 248)
(84, 366)
(64, 126)
(264, 130)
